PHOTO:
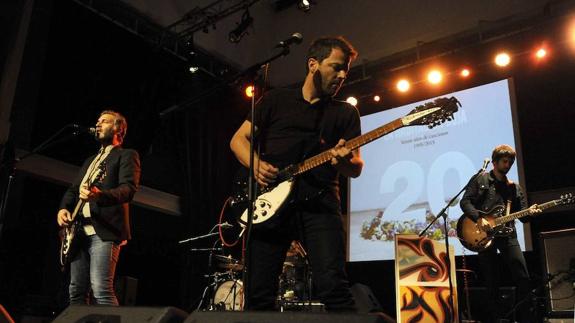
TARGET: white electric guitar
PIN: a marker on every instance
(272, 198)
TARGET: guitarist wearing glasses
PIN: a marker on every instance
(291, 125)
(485, 192)
(94, 213)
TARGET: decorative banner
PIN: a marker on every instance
(422, 281)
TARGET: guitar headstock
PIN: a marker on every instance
(567, 199)
(432, 113)
(100, 175)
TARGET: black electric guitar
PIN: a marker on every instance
(272, 198)
(475, 238)
(69, 232)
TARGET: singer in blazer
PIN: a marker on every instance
(104, 216)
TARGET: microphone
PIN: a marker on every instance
(296, 38)
(81, 129)
(225, 225)
(485, 163)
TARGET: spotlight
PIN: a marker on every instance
(434, 77)
(351, 100)
(571, 32)
(249, 91)
(376, 98)
(403, 85)
(502, 59)
(465, 72)
(541, 53)
(304, 5)
(241, 29)
(194, 69)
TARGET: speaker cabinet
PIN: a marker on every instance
(558, 257)
(279, 317)
(120, 314)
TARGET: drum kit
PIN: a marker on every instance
(225, 290)
(225, 286)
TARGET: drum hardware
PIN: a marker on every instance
(295, 287)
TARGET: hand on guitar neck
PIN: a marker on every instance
(345, 161)
(534, 210)
(90, 194)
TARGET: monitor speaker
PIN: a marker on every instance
(558, 257)
(120, 314)
(281, 317)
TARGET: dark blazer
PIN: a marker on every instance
(110, 213)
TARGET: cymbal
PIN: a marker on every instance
(233, 267)
(227, 260)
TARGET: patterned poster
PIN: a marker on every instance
(422, 280)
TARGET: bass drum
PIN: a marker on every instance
(229, 296)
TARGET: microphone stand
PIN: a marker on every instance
(252, 187)
(200, 237)
(443, 213)
(12, 167)
(252, 184)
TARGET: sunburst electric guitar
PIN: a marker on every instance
(68, 233)
(272, 198)
(476, 239)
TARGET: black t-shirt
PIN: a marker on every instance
(290, 130)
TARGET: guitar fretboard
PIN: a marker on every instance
(352, 144)
(520, 214)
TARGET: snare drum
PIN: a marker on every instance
(229, 296)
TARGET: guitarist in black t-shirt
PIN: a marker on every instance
(290, 125)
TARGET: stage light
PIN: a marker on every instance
(351, 100)
(502, 59)
(571, 36)
(403, 85)
(241, 29)
(465, 72)
(434, 77)
(194, 69)
(304, 5)
(249, 91)
(376, 98)
(541, 53)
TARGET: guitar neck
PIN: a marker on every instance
(508, 218)
(352, 144)
(79, 206)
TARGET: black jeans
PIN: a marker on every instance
(320, 230)
(513, 258)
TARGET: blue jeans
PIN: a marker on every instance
(94, 266)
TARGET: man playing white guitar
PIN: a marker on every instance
(290, 125)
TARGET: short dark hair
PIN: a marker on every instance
(502, 151)
(320, 49)
(119, 121)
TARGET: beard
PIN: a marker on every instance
(105, 136)
(328, 88)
